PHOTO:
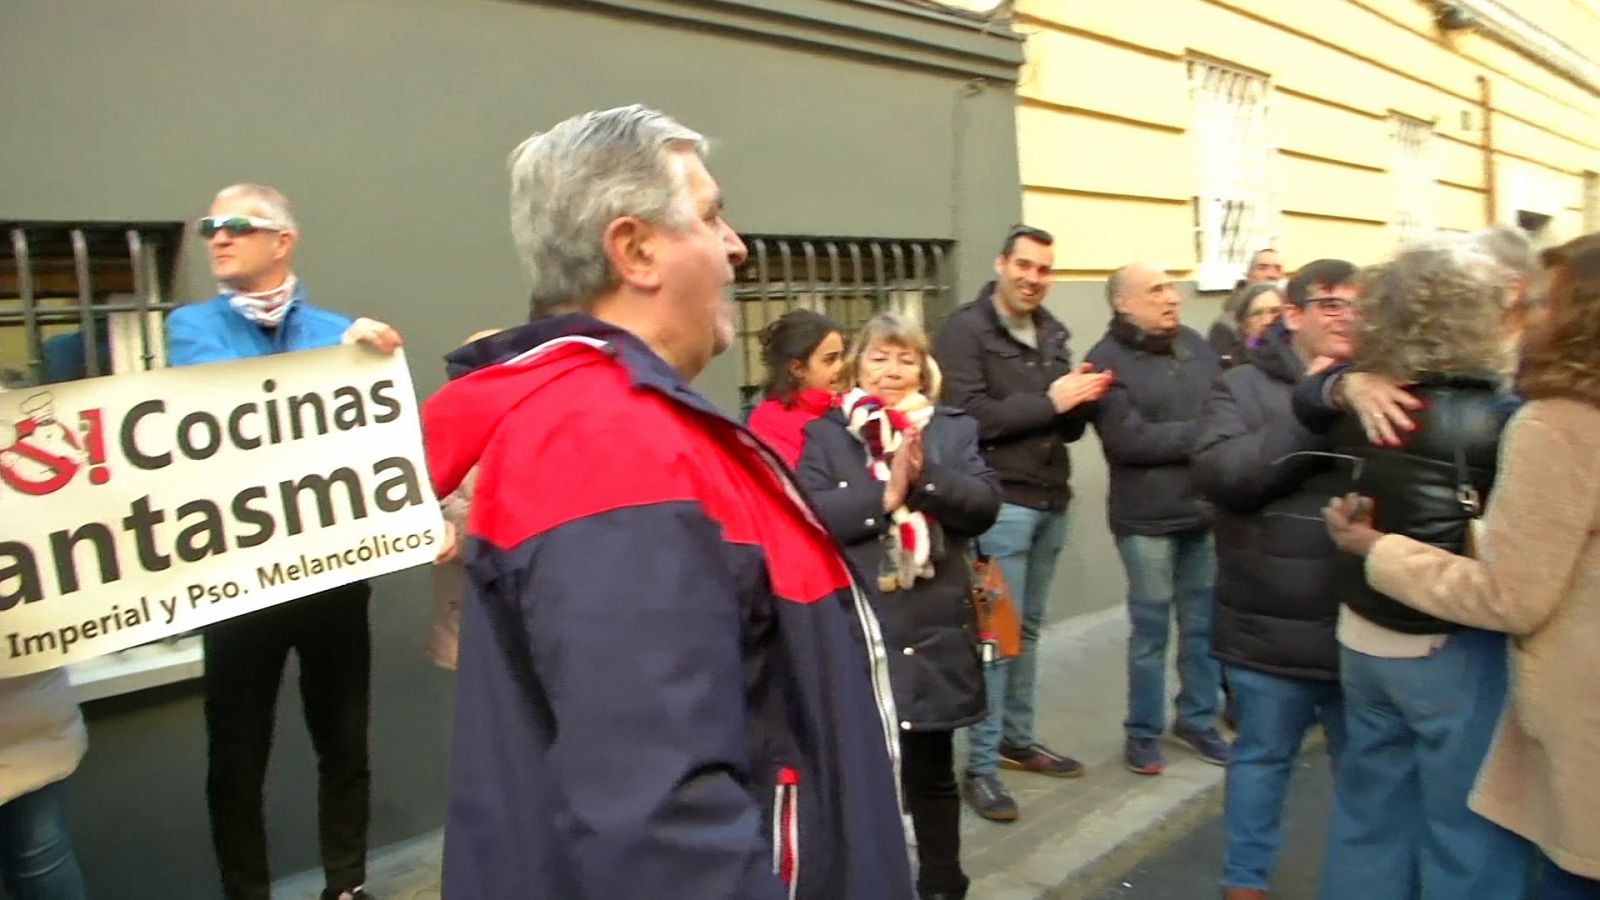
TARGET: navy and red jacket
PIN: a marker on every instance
(669, 684)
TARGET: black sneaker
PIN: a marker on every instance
(1040, 759)
(1208, 742)
(355, 893)
(1143, 756)
(988, 797)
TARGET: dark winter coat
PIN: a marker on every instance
(1148, 424)
(1001, 382)
(1416, 486)
(1277, 604)
(934, 662)
(669, 684)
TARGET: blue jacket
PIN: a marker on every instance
(213, 331)
(669, 683)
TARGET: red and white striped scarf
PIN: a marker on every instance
(881, 431)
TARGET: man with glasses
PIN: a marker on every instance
(1275, 599)
(1148, 424)
(1006, 362)
(262, 308)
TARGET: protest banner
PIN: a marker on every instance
(145, 505)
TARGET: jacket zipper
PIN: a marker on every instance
(786, 829)
(877, 650)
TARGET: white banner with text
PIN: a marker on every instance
(141, 506)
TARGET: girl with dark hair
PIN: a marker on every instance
(804, 355)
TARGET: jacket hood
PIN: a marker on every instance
(490, 377)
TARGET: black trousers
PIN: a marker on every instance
(928, 779)
(245, 658)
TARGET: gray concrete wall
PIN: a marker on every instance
(388, 123)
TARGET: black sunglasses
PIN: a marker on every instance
(235, 225)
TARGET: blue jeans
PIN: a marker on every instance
(36, 861)
(1026, 543)
(1559, 884)
(1417, 730)
(1274, 712)
(1167, 572)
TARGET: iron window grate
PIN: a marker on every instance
(81, 299)
(849, 280)
(1414, 178)
(1233, 211)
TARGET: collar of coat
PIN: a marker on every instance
(1162, 342)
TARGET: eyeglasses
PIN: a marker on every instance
(1266, 312)
(235, 225)
(1331, 306)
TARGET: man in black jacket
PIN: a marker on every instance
(1006, 363)
(1276, 597)
(1148, 423)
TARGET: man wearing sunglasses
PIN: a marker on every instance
(261, 308)
(1275, 598)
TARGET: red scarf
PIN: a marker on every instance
(782, 425)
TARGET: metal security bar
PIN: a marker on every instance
(1414, 178)
(849, 280)
(82, 299)
(1233, 210)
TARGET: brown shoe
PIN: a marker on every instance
(1040, 759)
(1244, 893)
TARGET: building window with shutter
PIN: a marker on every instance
(1233, 209)
(1414, 178)
(849, 280)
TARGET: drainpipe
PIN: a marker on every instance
(1486, 102)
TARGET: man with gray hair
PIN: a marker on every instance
(261, 308)
(669, 682)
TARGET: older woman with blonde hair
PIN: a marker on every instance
(900, 484)
(1533, 573)
(1422, 695)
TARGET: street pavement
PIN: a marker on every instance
(1187, 868)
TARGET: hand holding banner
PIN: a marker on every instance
(145, 505)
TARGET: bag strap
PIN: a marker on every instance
(1466, 492)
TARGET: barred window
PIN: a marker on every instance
(1233, 208)
(80, 299)
(849, 280)
(77, 300)
(1414, 178)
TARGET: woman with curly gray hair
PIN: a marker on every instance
(1536, 575)
(1423, 695)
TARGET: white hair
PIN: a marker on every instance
(1510, 247)
(569, 183)
(269, 201)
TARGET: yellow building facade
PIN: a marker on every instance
(1192, 132)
